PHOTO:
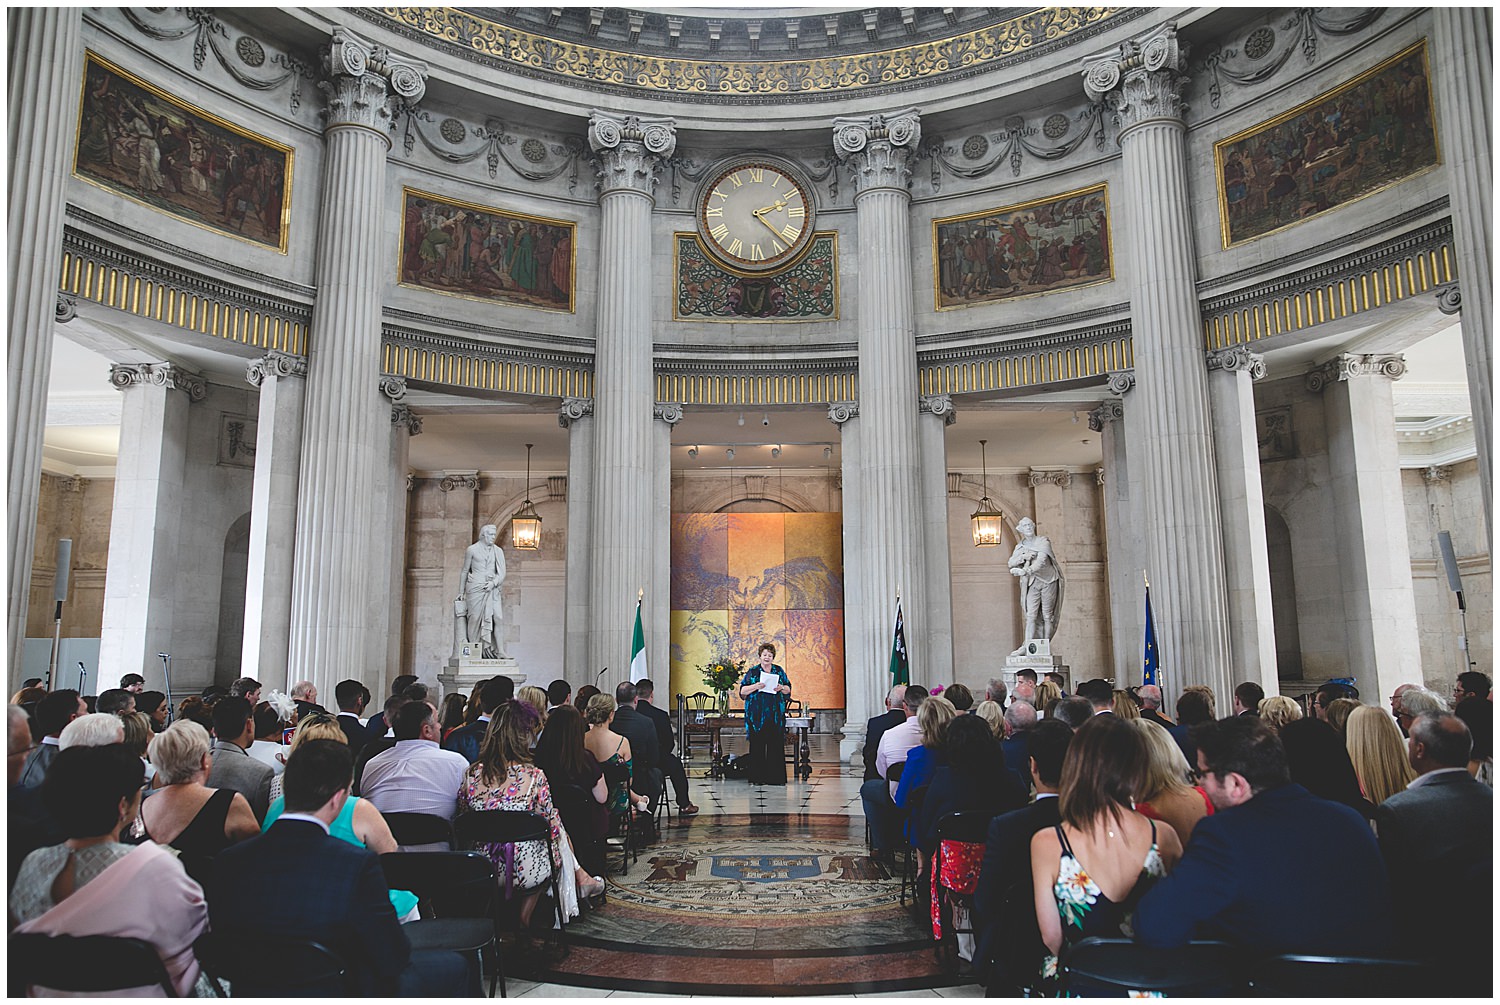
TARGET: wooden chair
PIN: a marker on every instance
(455, 894)
(691, 708)
(92, 964)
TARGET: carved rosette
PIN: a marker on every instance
(629, 150)
(402, 415)
(1238, 359)
(669, 412)
(1347, 366)
(1121, 382)
(365, 80)
(940, 405)
(574, 409)
(275, 364)
(1107, 412)
(840, 412)
(170, 375)
(460, 480)
(880, 148)
(1141, 81)
(1049, 476)
(393, 387)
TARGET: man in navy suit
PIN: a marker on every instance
(298, 882)
(1008, 946)
(876, 727)
(467, 739)
(352, 697)
(1234, 882)
(645, 754)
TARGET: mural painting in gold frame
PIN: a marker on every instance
(1360, 138)
(482, 253)
(807, 289)
(1060, 242)
(137, 141)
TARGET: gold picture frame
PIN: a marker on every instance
(137, 141)
(791, 272)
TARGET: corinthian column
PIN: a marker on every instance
(46, 66)
(629, 152)
(346, 448)
(887, 497)
(1461, 60)
(1185, 545)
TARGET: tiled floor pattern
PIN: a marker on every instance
(709, 935)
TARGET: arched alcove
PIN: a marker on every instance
(1283, 596)
(236, 567)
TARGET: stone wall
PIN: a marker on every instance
(1437, 499)
(76, 508)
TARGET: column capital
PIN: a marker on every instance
(459, 480)
(275, 364)
(363, 80)
(1450, 298)
(1434, 473)
(669, 412)
(574, 409)
(402, 415)
(940, 405)
(169, 375)
(880, 147)
(1098, 476)
(840, 412)
(1347, 366)
(1060, 477)
(393, 387)
(67, 308)
(629, 150)
(1107, 412)
(1143, 79)
(1121, 382)
(411, 480)
(1238, 359)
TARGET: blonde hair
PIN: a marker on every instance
(991, 713)
(933, 716)
(537, 699)
(598, 710)
(1378, 754)
(316, 727)
(137, 732)
(1046, 691)
(1125, 707)
(177, 752)
(1278, 710)
(1337, 713)
(1166, 766)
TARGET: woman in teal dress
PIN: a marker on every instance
(765, 720)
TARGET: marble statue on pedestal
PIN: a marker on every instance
(1041, 583)
(482, 576)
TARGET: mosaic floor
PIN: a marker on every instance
(767, 892)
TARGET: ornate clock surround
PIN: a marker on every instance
(755, 214)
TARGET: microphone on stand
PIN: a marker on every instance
(166, 675)
(600, 674)
(82, 673)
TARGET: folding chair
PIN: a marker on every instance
(1298, 976)
(302, 968)
(456, 894)
(1096, 966)
(87, 963)
(487, 827)
(908, 861)
(576, 806)
(622, 825)
(965, 828)
(419, 829)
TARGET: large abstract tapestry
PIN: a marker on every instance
(476, 251)
(142, 143)
(805, 291)
(1052, 244)
(740, 579)
(1360, 137)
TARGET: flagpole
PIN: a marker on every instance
(1161, 677)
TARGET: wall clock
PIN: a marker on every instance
(755, 216)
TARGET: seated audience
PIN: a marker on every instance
(1124, 705)
(1478, 715)
(582, 698)
(563, 758)
(875, 728)
(305, 694)
(1073, 712)
(558, 693)
(1166, 793)
(1234, 884)
(1471, 684)
(268, 748)
(247, 688)
(1100, 696)
(351, 697)
(1020, 719)
(233, 767)
(27, 825)
(1278, 710)
(1319, 762)
(196, 709)
(1324, 697)
(467, 740)
(666, 743)
(97, 729)
(115, 701)
(416, 775)
(505, 779)
(53, 713)
(137, 735)
(1378, 755)
(1150, 697)
(1008, 948)
(608, 747)
(535, 697)
(451, 715)
(1247, 698)
(1194, 705)
(1090, 870)
(993, 715)
(378, 743)
(379, 724)
(1441, 825)
(645, 754)
(185, 813)
(92, 884)
(1047, 691)
(1415, 700)
(1337, 713)
(134, 683)
(300, 882)
(960, 697)
(922, 760)
(154, 705)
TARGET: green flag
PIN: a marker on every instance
(900, 668)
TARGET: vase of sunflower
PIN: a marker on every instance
(720, 676)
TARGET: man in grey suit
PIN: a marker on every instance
(233, 767)
(1436, 839)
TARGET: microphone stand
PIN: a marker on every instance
(82, 676)
(166, 674)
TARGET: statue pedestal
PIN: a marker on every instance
(463, 672)
(1042, 664)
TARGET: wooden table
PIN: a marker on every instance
(712, 725)
(800, 728)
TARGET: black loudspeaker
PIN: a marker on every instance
(64, 563)
(1445, 545)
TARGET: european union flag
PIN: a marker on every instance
(1149, 673)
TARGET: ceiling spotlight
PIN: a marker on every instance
(776, 450)
(742, 418)
(729, 453)
(692, 451)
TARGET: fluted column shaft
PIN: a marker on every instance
(936, 416)
(346, 447)
(863, 690)
(1462, 51)
(887, 494)
(1185, 546)
(622, 529)
(577, 416)
(46, 61)
(398, 486)
(1117, 421)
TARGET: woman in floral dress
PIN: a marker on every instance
(1090, 871)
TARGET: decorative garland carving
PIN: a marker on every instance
(1010, 144)
(206, 30)
(495, 140)
(1303, 26)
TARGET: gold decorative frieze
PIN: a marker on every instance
(757, 389)
(483, 369)
(1030, 365)
(813, 75)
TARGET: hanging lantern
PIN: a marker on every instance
(987, 520)
(526, 525)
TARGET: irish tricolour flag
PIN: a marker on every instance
(638, 648)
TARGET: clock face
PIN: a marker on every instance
(755, 217)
